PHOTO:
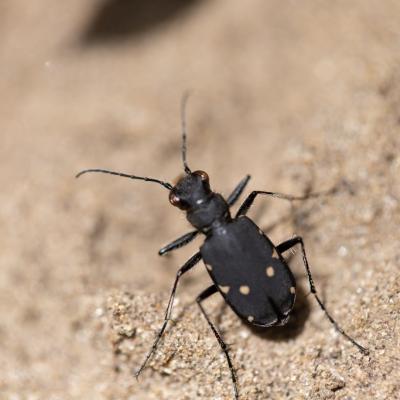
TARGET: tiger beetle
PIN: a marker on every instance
(246, 268)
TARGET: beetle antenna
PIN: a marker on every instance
(183, 127)
(143, 178)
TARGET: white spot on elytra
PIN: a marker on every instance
(250, 318)
(270, 271)
(224, 289)
(292, 290)
(244, 289)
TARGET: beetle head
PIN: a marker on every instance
(191, 190)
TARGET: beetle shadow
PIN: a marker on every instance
(118, 20)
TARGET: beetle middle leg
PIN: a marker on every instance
(298, 240)
(204, 295)
(180, 242)
(186, 267)
(251, 197)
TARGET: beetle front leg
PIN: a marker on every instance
(298, 240)
(180, 242)
(238, 191)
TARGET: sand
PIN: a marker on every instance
(301, 95)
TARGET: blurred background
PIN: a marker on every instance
(302, 95)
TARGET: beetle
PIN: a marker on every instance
(246, 268)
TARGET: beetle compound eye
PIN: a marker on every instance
(177, 202)
(203, 175)
(174, 199)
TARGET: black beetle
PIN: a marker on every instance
(246, 268)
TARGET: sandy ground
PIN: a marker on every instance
(300, 94)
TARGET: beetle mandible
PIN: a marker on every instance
(246, 268)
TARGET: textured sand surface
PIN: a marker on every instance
(302, 95)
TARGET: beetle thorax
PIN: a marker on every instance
(212, 212)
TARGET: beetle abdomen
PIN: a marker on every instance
(250, 274)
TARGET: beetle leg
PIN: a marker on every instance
(182, 241)
(204, 295)
(298, 240)
(186, 267)
(237, 191)
(251, 197)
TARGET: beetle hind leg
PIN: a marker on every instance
(204, 295)
(298, 240)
